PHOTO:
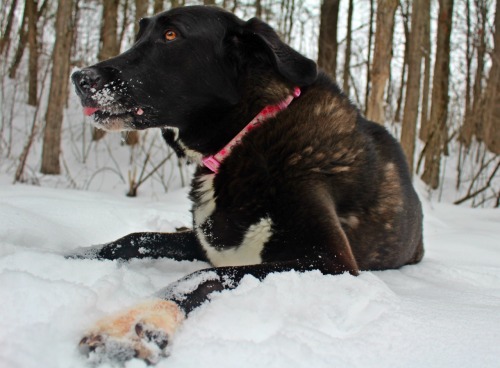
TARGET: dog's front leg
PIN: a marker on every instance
(182, 245)
(145, 330)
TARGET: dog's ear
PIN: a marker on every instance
(260, 40)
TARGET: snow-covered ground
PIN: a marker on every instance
(443, 312)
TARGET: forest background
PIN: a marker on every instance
(428, 70)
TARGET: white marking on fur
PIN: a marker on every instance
(205, 205)
(192, 155)
(247, 253)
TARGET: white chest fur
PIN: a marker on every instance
(205, 204)
(254, 239)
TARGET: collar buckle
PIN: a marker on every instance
(211, 163)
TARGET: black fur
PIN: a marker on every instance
(335, 186)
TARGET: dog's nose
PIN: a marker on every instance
(87, 80)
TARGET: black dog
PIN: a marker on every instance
(309, 184)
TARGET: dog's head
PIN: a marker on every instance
(186, 64)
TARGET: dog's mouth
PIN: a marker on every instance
(111, 106)
(114, 118)
(103, 112)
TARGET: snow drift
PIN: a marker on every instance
(443, 312)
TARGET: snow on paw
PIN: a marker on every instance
(143, 332)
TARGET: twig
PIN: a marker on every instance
(135, 186)
(479, 191)
(117, 172)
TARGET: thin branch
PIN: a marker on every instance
(479, 191)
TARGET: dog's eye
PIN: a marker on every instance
(170, 35)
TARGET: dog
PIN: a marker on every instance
(290, 175)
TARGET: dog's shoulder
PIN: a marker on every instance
(321, 134)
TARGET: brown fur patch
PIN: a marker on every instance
(390, 199)
(351, 221)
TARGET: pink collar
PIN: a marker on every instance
(213, 162)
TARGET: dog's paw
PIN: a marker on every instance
(143, 332)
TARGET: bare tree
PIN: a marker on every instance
(65, 26)
(491, 111)
(258, 8)
(472, 125)
(369, 58)
(482, 7)
(141, 10)
(408, 131)
(347, 54)
(328, 44)
(386, 10)
(405, 9)
(468, 79)
(109, 45)
(5, 39)
(426, 53)
(21, 45)
(125, 23)
(157, 6)
(31, 10)
(439, 109)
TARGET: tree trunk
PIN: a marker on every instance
(402, 85)
(5, 40)
(369, 59)
(125, 22)
(31, 10)
(328, 45)
(440, 98)
(158, 6)
(464, 136)
(491, 115)
(109, 46)
(258, 9)
(23, 38)
(408, 131)
(386, 10)
(426, 49)
(291, 12)
(347, 59)
(473, 123)
(478, 85)
(141, 10)
(58, 87)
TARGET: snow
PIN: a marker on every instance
(443, 312)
